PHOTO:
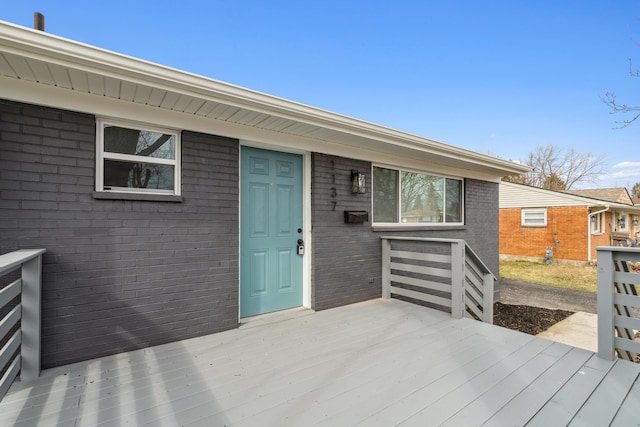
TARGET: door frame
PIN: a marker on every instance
(306, 215)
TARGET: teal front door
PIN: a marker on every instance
(270, 227)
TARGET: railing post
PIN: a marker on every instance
(487, 298)
(386, 269)
(605, 305)
(31, 318)
(457, 279)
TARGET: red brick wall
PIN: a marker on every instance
(570, 224)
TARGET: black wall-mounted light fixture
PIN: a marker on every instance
(635, 221)
(358, 182)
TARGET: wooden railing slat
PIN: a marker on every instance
(10, 320)
(627, 345)
(426, 284)
(476, 310)
(626, 277)
(9, 292)
(422, 256)
(626, 300)
(411, 268)
(627, 322)
(433, 299)
(9, 349)
(474, 294)
(475, 281)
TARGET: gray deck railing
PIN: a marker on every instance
(444, 274)
(618, 302)
(20, 325)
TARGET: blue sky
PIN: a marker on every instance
(497, 77)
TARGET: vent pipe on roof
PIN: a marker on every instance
(38, 21)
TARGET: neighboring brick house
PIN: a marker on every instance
(172, 205)
(570, 224)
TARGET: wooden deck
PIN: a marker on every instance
(383, 362)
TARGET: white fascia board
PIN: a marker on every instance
(49, 48)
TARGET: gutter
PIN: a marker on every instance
(589, 229)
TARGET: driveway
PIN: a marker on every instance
(521, 293)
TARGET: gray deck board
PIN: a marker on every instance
(374, 363)
(524, 405)
(501, 392)
(628, 414)
(566, 402)
(475, 386)
(613, 389)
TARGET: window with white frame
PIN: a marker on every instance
(596, 223)
(413, 198)
(137, 159)
(623, 222)
(534, 217)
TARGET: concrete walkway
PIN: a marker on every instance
(579, 330)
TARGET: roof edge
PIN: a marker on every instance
(47, 46)
(586, 200)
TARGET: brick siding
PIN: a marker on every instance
(569, 222)
(118, 275)
(347, 257)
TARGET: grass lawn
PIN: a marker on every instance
(579, 278)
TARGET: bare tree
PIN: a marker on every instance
(554, 182)
(616, 107)
(555, 169)
(635, 190)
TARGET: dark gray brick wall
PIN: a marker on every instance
(118, 275)
(347, 257)
(481, 221)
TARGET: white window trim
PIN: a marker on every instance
(626, 221)
(526, 211)
(101, 156)
(596, 226)
(415, 224)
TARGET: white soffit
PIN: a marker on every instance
(29, 57)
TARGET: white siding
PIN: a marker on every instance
(521, 196)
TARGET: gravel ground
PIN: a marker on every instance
(520, 293)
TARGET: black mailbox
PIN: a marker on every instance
(355, 217)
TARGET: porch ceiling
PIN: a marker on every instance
(43, 59)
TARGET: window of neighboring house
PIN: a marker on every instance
(414, 198)
(596, 223)
(534, 217)
(623, 222)
(137, 159)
